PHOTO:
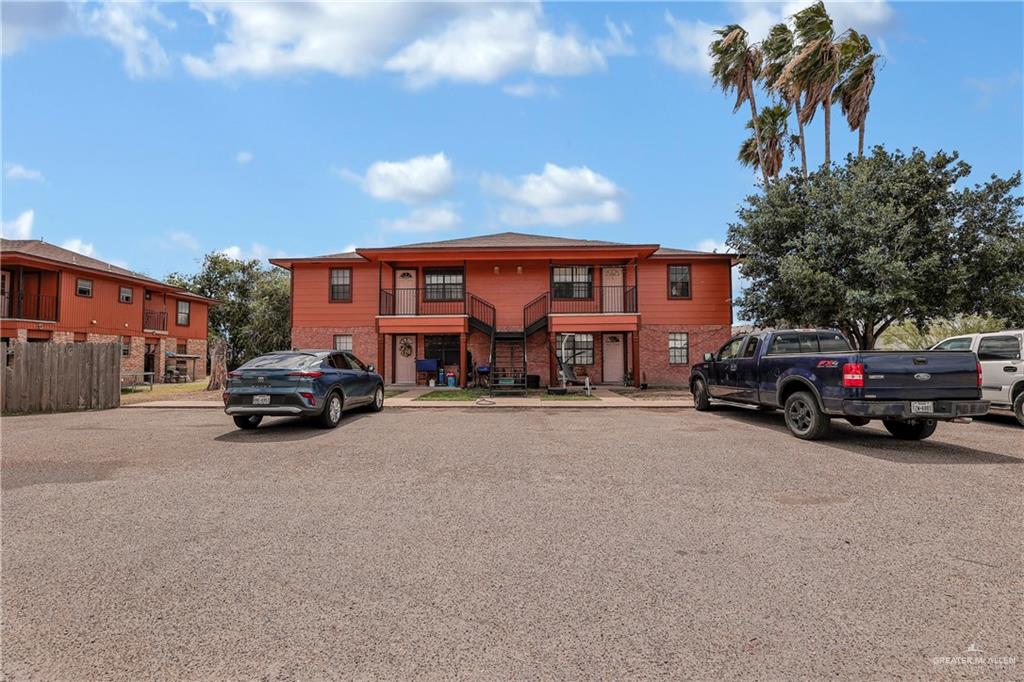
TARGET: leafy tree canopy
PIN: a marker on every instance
(254, 312)
(880, 240)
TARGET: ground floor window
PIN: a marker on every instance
(678, 348)
(443, 348)
(579, 348)
(182, 349)
(343, 342)
(126, 346)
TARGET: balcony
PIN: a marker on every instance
(155, 320)
(442, 299)
(29, 307)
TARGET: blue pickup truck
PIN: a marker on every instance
(814, 375)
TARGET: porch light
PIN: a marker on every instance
(497, 269)
(519, 269)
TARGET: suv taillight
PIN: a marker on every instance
(853, 375)
(306, 375)
(979, 375)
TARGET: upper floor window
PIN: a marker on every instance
(442, 284)
(83, 287)
(679, 281)
(575, 281)
(341, 285)
(184, 313)
(125, 295)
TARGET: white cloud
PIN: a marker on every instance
(183, 240)
(425, 219)
(685, 47)
(424, 42)
(125, 25)
(20, 227)
(79, 246)
(14, 171)
(558, 196)
(412, 181)
(255, 251)
(244, 157)
(712, 246)
(529, 89)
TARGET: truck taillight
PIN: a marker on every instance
(853, 375)
(979, 375)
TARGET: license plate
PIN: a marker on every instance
(265, 400)
(922, 408)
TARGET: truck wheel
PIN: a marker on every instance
(1018, 407)
(858, 421)
(917, 430)
(331, 416)
(701, 401)
(804, 418)
(248, 422)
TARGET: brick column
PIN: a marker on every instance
(552, 365)
(381, 355)
(462, 360)
(636, 358)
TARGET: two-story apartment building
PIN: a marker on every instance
(48, 293)
(620, 312)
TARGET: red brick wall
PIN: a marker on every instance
(364, 341)
(654, 365)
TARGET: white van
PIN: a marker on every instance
(1002, 369)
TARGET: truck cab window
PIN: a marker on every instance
(751, 348)
(731, 349)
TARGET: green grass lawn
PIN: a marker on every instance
(462, 394)
(568, 396)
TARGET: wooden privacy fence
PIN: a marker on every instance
(56, 377)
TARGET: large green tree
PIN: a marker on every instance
(253, 316)
(879, 240)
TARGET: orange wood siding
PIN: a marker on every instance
(508, 291)
(709, 287)
(197, 326)
(311, 306)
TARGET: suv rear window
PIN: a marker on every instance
(999, 348)
(283, 361)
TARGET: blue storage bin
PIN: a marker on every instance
(426, 365)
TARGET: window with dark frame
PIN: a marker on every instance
(341, 285)
(83, 287)
(579, 348)
(576, 281)
(126, 346)
(679, 281)
(343, 342)
(125, 294)
(678, 348)
(443, 284)
(184, 313)
(443, 348)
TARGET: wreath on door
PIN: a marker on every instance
(405, 347)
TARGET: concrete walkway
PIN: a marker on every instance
(604, 399)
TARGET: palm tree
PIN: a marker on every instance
(737, 66)
(772, 122)
(816, 66)
(778, 49)
(854, 90)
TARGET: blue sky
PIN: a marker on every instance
(150, 134)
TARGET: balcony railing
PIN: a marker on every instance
(154, 319)
(442, 299)
(29, 307)
(616, 299)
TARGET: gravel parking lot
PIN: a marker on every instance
(495, 543)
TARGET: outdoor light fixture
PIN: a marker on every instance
(497, 270)
(519, 269)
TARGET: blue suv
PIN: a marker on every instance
(316, 384)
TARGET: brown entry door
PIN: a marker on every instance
(614, 352)
(405, 292)
(405, 359)
(613, 291)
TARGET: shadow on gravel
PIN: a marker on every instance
(879, 445)
(1002, 419)
(286, 429)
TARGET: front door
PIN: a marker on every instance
(614, 354)
(405, 359)
(405, 292)
(613, 292)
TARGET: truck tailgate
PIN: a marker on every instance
(923, 375)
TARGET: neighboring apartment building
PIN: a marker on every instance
(635, 312)
(48, 293)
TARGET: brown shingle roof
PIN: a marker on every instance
(504, 240)
(57, 254)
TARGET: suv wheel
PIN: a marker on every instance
(701, 401)
(378, 400)
(331, 416)
(915, 430)
(804, 418)
(1018, 407)
(248, 422)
